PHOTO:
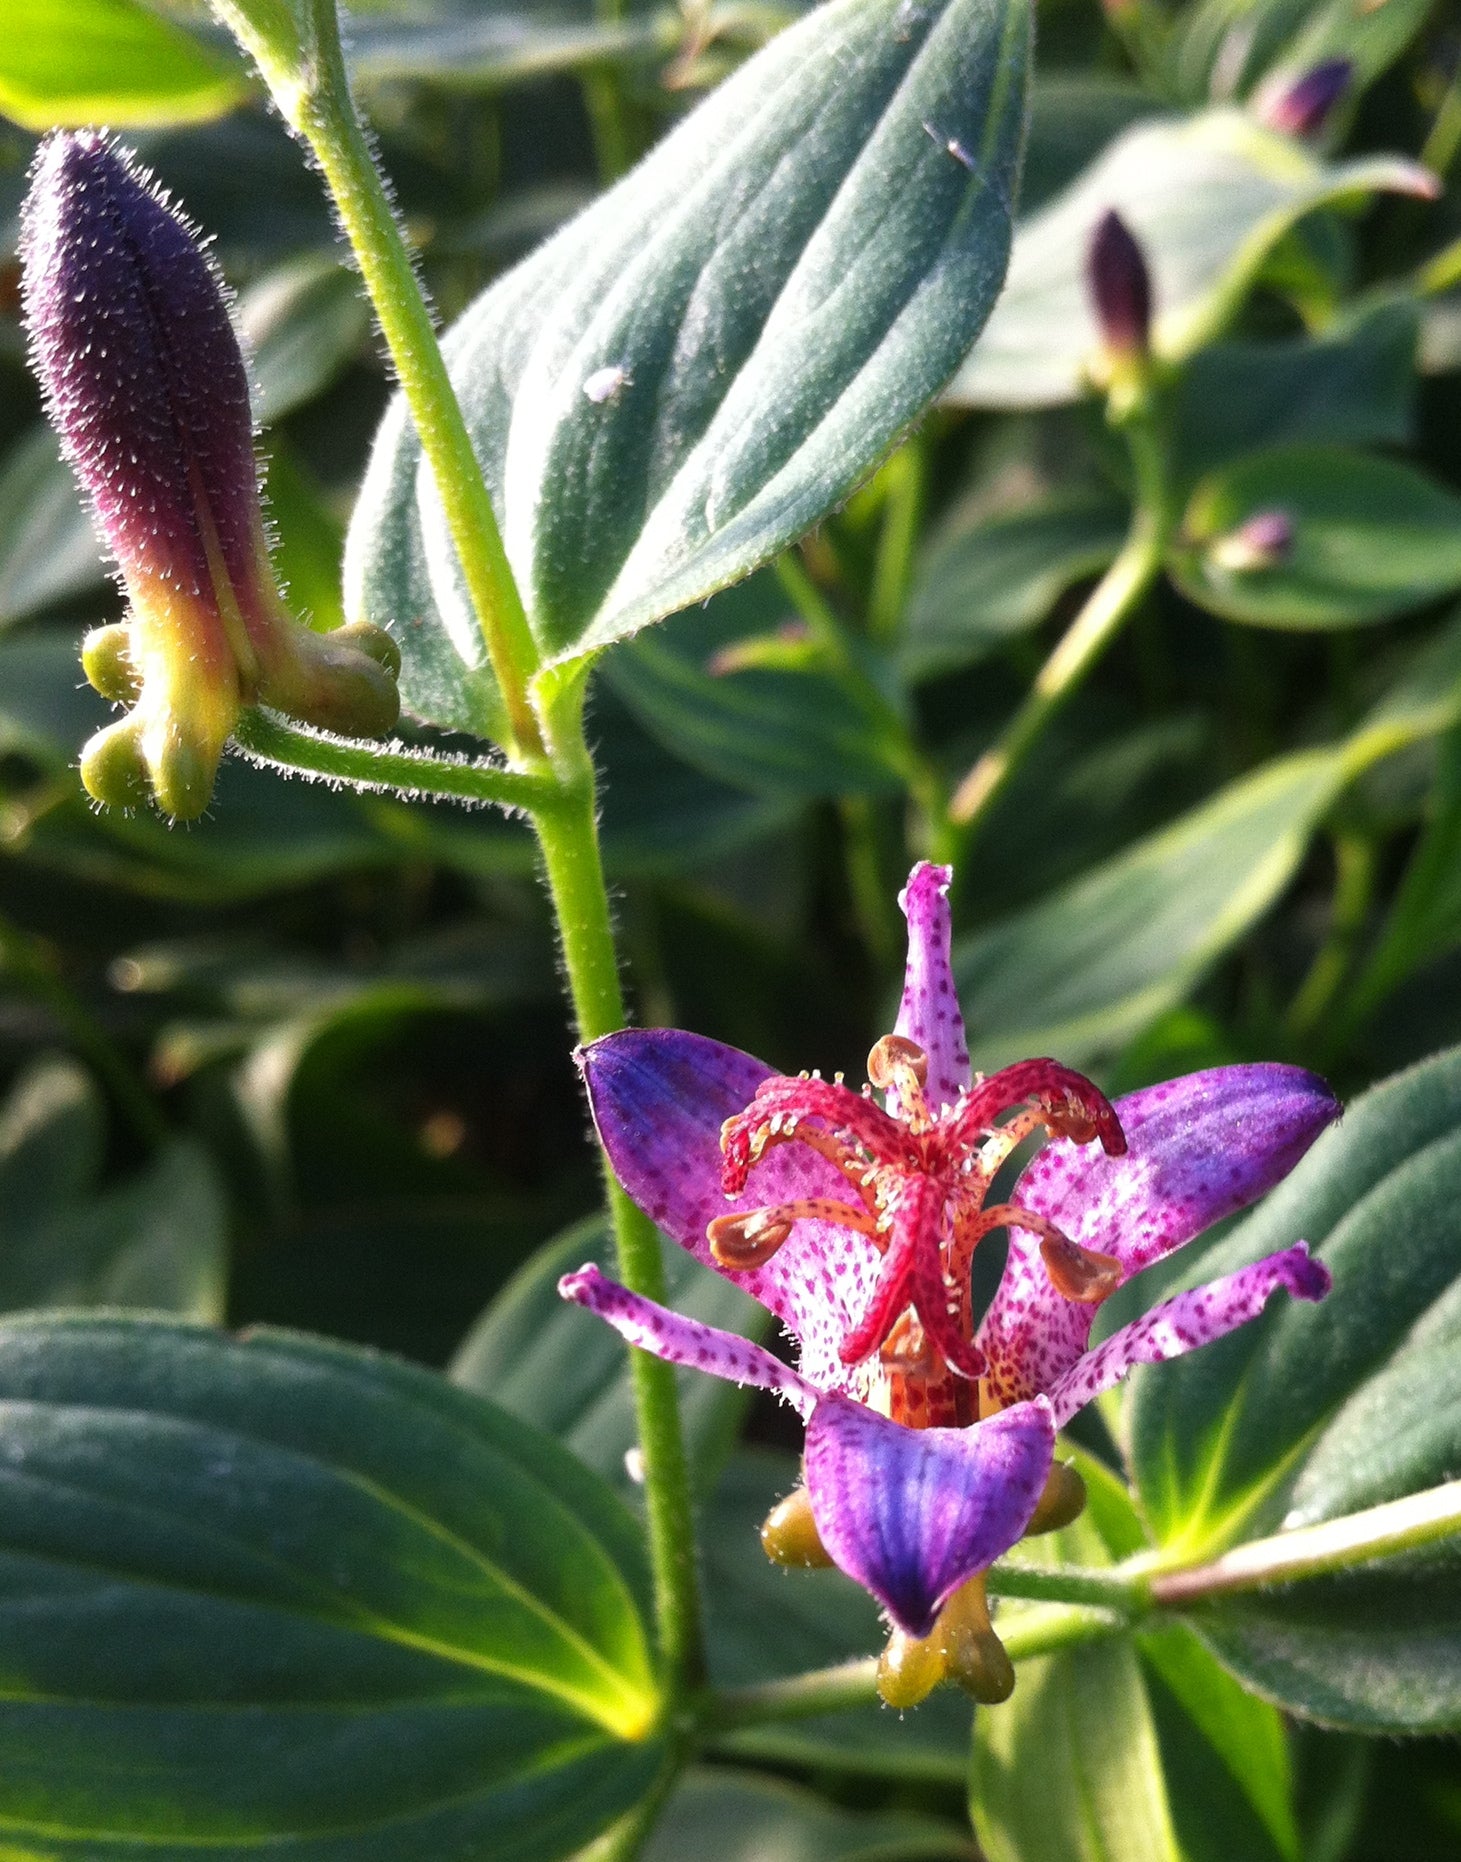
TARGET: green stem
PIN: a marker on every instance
(1074, 1584)
(568, 836)
(1044, 1629)
(267, 739)
(1106, 611)
(324, 113)
(797, 1697)
(1384, 1531)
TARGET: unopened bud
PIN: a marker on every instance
(1121, 289)
(146, 385)
(1262, 541)
(790, 1537)
(1061, 1502)
(1302, 106)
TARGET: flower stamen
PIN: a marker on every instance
(750, 1238)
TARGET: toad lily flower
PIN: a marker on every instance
(146, 385)
(929, 1442)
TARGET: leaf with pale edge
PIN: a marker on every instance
(707, 361)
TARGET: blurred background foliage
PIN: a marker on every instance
(306, 1062)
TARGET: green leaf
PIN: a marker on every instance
(775, 294)
(301, 323)
(306, 541)
(1208, 197)
(723, 1815)
(768, 730)
(1316, 1412)
(68, 63)
(1353, 384)
(47, 547)
(1127, 1748)
(1086, 969)
(564, 1371)
(1083, 971)
(283, 1595)
(763, 1621)
(488, 51)
(1233, 43)
(991, 576)
(158, 1240)
(1371, 538)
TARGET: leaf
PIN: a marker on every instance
(564, 1371)
(158, 1240)
(68, 63)
(301, 322)
(1316, 1412)
(1208, 197)
(1127, 1748)
(1371, 538)
(280, 1594)
(1084, 970)
(1351, 384)
(723, 1815)
(991, 576)
(763, 1621)
(759, 310)
(47, 548)
(1231, 44)
(489, 51)
(770, 731)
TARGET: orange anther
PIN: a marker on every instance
(895, 1054)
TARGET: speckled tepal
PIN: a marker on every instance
(147, 387)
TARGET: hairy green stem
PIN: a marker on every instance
(1108, 1589)
(1106, 611)
(324, 113)
(1383, 1531)
(267, 739)
(567, 831)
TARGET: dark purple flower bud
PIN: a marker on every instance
(1302, 106)
(147, 387)
(1261, 541)
(1121, 288)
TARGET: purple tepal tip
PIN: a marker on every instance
(141, 368)
(1121, 286)
(1302, 106)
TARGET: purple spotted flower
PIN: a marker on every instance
(146, 385)
(929, 1438)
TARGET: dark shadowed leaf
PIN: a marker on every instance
(993, 575)
(559, 1368)
(47, 547)
(723, 1815)
(284, 1595)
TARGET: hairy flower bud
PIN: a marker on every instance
(1302, 106)
(1121, 288)
(147, 387)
